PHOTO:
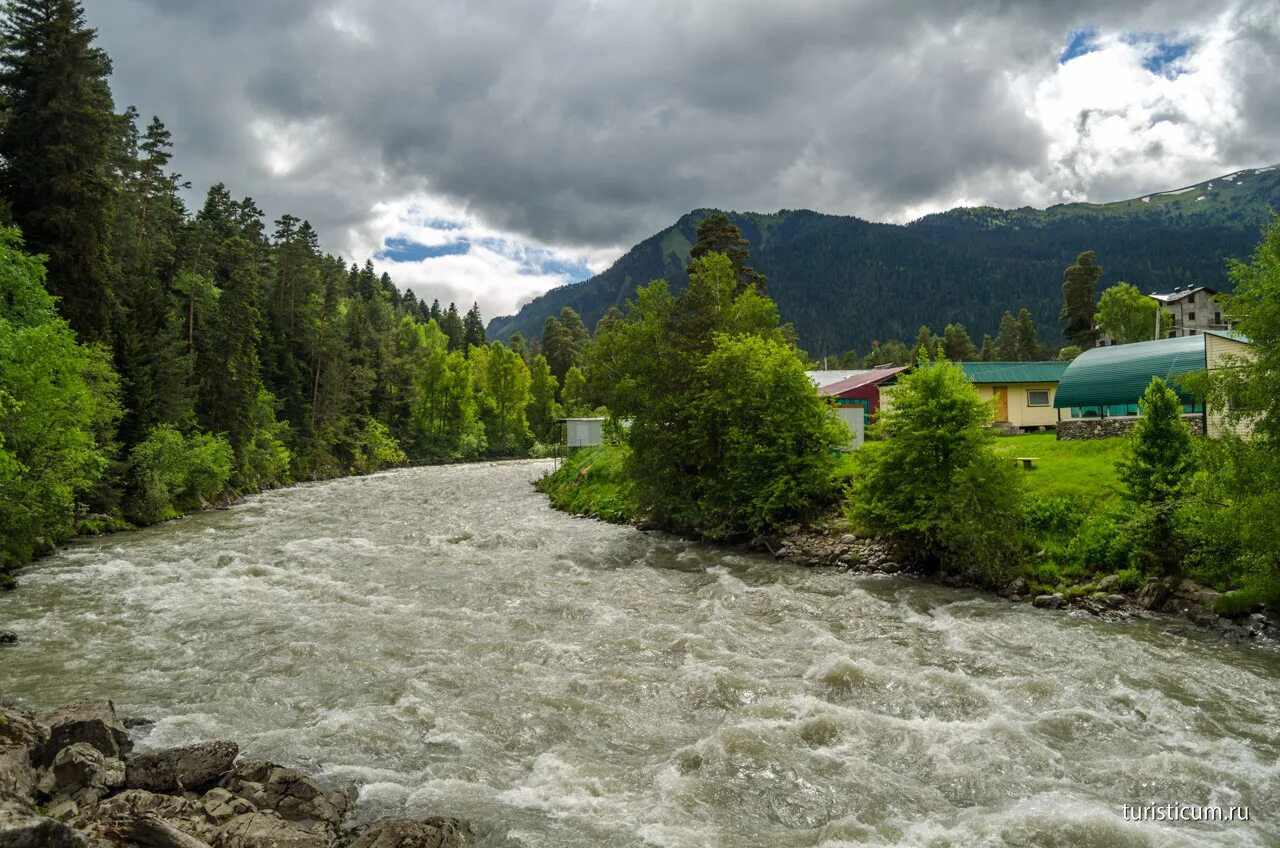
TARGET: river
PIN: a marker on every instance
(445, 640)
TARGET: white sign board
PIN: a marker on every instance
(854, 417)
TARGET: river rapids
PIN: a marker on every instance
(453, 646)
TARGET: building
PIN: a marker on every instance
(821, 379)
(857, 390)
(583, 432)
(1194, 311)
(1100, 391)
(1024, 392)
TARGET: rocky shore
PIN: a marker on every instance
(71, 779)
(829, 545)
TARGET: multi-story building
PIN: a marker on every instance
(1194, 311)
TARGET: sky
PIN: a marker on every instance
(487, 150)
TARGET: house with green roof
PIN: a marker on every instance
(1023, 393)
(1107, 382)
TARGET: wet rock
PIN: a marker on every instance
(8, 637)
(1116, 601)
(153, 832)
(288, 792)
(1109, 584)
(191, 767)
(268, 830)
(1191, 593)
(61, 808)
(1152, 595)
(130, 722)
(134, 805)
(84, 772)
(889, 567)
(90, 721)
(221, 805)
(23, 827)
(407, 833)
(1054, 601)
(20, 734)
(1017, 588)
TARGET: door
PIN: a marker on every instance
(1002, 403)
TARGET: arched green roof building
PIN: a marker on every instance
(1108, 381)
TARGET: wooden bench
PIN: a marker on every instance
(1026, 461)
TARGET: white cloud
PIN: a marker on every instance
(500, 271)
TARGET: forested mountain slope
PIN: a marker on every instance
(844, 282)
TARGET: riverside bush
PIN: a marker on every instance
(937, 484)
(377, 448)
(171, 473)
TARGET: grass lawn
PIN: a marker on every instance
(1084, 470)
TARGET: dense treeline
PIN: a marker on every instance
(844, 282)
(153, 360)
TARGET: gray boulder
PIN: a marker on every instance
(409, 833)
(220, 805)
(84, 773)
(1055, 601)
(288, 792)
(1152, 595)
(8, 637)
(20, 734)
(22, 827)
(268, 830)
(90, 721)
(191, 767)
(134, 806)
(1109, 584)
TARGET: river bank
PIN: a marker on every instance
(593, 485)
(444, 640)
(71, 778)
(829, 544)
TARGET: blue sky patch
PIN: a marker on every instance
(1165, 54)
(1079, 42)
(399, 249)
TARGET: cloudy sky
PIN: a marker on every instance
(490, 149)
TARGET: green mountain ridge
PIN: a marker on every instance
(845, 282)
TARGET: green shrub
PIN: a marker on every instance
(1130, 579)
(170, 473)
(1101, 544)
(937, 484)
(1055, 516)
(377, 448)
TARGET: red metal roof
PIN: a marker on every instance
(879, 375)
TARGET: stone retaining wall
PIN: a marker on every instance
(1079, 429)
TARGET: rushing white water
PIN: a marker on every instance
(443, 639)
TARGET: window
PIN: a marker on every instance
(1217, 318)
(1037, 397)
(1191, 316)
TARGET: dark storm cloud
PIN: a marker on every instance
(596, 123)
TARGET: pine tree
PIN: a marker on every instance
(1156, 470)
(1006, 345)
(55, 146)
(717, 234)
(451, 324)
(560, 344)
(1028, 346)
(1078, 300)
(988, 352)
(473, 328)
(957, 345)
(926, 344)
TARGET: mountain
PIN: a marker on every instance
(844, 281)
